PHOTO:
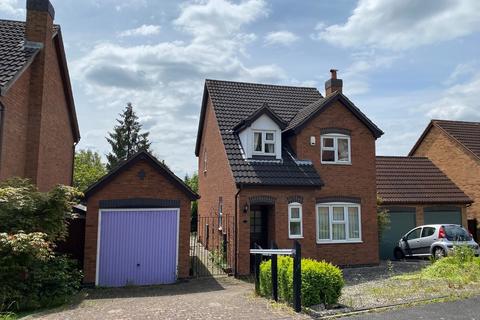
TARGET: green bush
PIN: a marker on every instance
(31, 276)
(321, 281)
(460, 267)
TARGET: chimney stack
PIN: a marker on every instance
(333, 84)
(39, 25)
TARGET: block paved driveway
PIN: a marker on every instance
(209, 298)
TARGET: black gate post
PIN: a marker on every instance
(224, 249)
(274, 274)
(258, 260)
(297, 277)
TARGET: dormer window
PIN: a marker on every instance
(264, 142)
(335, 149)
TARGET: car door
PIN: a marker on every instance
(412, 241)
(428, 237)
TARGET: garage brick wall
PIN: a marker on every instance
(127, 185)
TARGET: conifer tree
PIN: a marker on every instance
(126, 138)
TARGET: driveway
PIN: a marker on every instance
(468, 309)
(210, 298)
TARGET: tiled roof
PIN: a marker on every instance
(308, 112)
(14, 56)
(466, 133)
(415, 180)
(235, 101)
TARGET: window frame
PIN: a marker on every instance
(300, 219)
(264, 142)
(335, 137)
(345, 222)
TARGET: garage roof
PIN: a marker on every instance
(142, 155)
(415, 180)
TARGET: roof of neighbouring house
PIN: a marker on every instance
(415, 180)
(159, 166)
(466, 133)
(239, 103)
(16, 57)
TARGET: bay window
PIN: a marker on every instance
(338, 222)
(295, 227)
(335, 148)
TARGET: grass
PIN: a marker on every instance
(456, 276)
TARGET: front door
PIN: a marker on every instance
(258, 226)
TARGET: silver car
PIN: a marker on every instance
(435, 240)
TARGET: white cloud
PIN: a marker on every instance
(143, 30)
(399, 25)
(164, 80)
(12, 8)
(461, 101)
(284, 38)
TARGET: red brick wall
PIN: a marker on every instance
(458, 164)
(127, 185)
(216, 182)
(14, 130)
(37, 139)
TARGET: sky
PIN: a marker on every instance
(402, 62)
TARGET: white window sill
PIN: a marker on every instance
(339, 241)
(337, 163)
(295, 237)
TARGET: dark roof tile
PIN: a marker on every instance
(415, 180)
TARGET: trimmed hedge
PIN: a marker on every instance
(322, 282)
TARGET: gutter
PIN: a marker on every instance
(235, 230)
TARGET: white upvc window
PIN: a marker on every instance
(295, 225)
(264, 142)
(338, 222)
(335, 149)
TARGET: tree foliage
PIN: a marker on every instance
(126, 138)
(24, 208)
(383, 218)
(88, 169)
(192, 182)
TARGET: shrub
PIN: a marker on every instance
(321, 281)
(460, 267)
(24, 208)
(31, 276)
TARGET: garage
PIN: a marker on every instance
(415, 192)
(130, 257)
(137, 229)
(443, 215)
(401, 221)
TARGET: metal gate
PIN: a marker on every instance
(212, 246)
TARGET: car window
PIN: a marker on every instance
(457, 233)
(414, 234)
(428, 231)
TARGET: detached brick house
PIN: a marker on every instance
(287, 164)
(38, 124)
(454, 147)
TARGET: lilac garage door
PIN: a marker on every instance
(137, 247)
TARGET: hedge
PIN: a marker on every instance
(322, 282)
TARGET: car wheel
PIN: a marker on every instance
(398, 254)
(438, 253)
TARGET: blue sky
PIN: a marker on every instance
(402, 62)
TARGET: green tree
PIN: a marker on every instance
(88, 169)
(126, 138)
(192, 182)
(383, 218)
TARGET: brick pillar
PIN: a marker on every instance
(419, 215)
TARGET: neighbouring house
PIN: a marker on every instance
(416, 192)
(282, 163)
(38, 124)
(454, 147)
(137, 225)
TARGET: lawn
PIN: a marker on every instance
(449, 278)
